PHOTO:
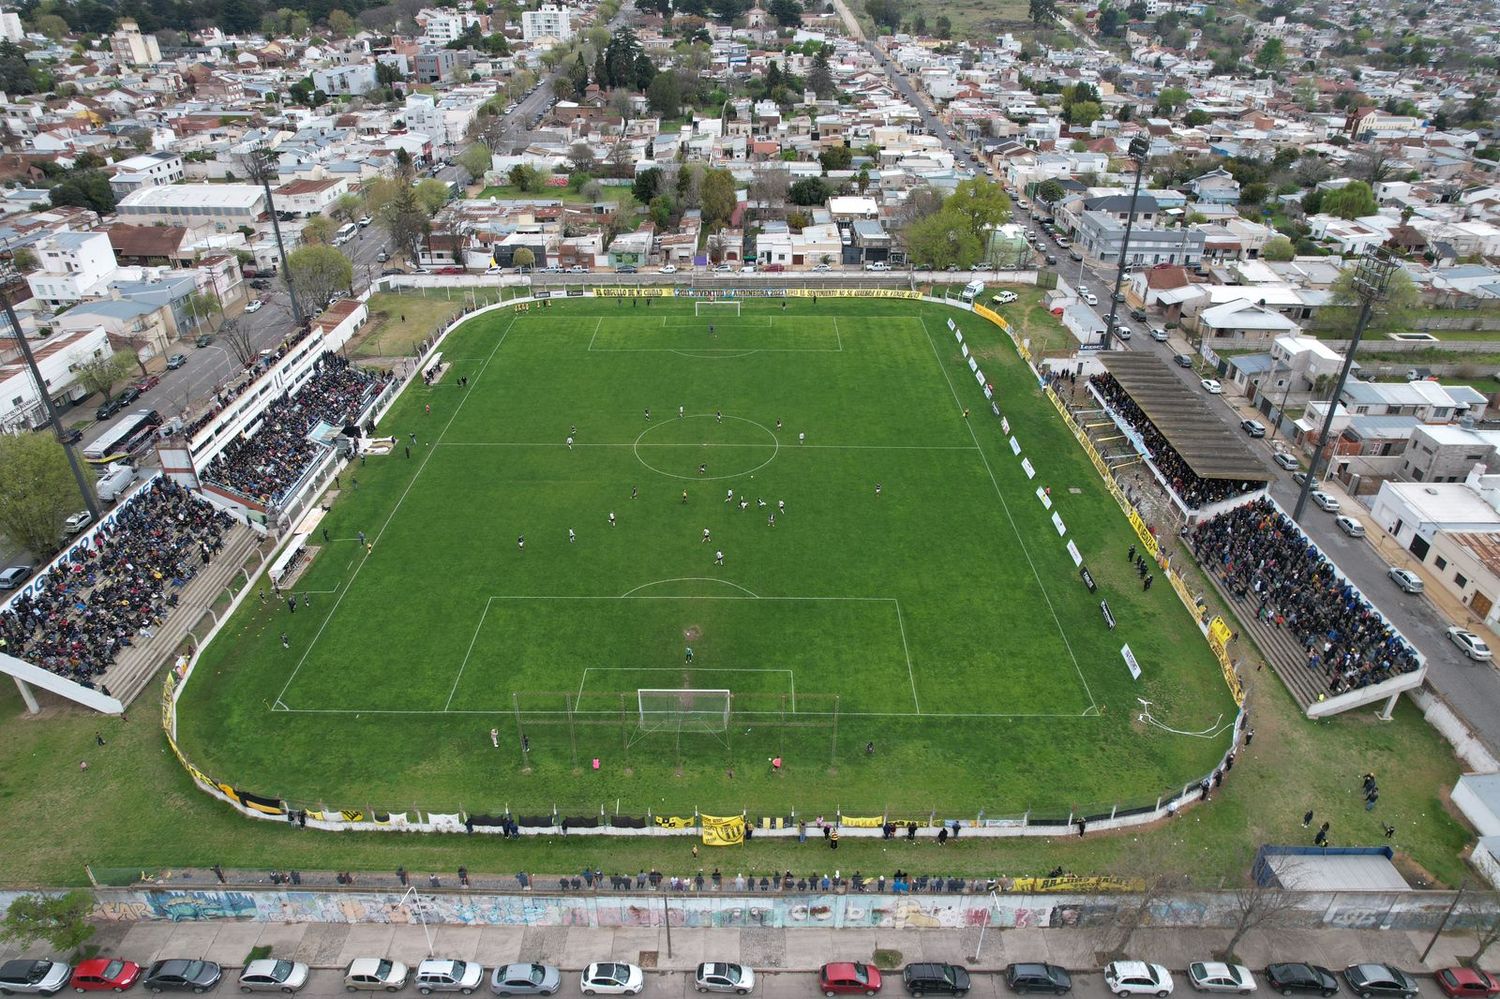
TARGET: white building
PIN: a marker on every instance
(10, 27)
(310, 197)
(57, 358)
(444, 26)
(550, 22)
(74, 266)
(357, 79)
(132, 48)
(224, 206)
(149, 170)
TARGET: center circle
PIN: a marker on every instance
(705, 447)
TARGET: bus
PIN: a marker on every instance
(123, 440)
(346, 232)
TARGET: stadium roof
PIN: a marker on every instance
(1210, 448)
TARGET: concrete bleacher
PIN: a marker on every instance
(138, 665)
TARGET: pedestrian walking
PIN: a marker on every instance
(571, 536)
(291, 603)
(1307, 818)
(1130, 555)
(1249, 736)
(525, 743)
(401, 876)
(408, 454)
(219, 873)
(802, 831)
(570, 443)
(942, 836)
(521, 542)
(325, 535)
(877, 490)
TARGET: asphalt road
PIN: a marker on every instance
(326, 984)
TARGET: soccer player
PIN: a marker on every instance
(781, 506)
(778, 424)
(801, 438)
(684, 497)
(771, 520)
(719, 557)
(877, 490)
(744, 504)
(571, 536)
(570, 443)
(612, 514)
(634, 492)
(521, 542)
(729, 496)
(680, 411)
(648, 414)
(705, 537)
(760, 504)
(703, 468)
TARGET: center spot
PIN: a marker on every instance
(728, 447)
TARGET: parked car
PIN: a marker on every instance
(1254, 428)
(1293, 979)
(33, 977)
(822, 268)
(525, 980)
(877, 265)
(444, 975)
(375, 974)
(1216, 976)
(71, 435)
(1409, 581)
(450, 270)
(382, 257)
(1350, 526)
(111, 407)
(578, 269)
(128, 395)
(1091, 298)
(255, 306)
(611, 978)
(1212, 386)
(177, 975)
(204, 339)
(77, 522)
(1122, 332)
(935, 979)
(1138, 314)
(1183, 360)
(1472, 646)
(1299, 477)
(1027, 977)
(848, 978)
(668, 269)
(148, 383)
(1459, 982)
(1158, 334)
(715, 976)
(1368, 980)
(1006, 297)
(364, 220)
(1325, 502)
(176, 361)
(11, 578)
(1052, 259)
(625, 269)
(724, 269)
(1137, 978)
(105, 974)
(271, 975)
(1284, 460)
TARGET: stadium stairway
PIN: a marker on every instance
(139, 664)
(1278, 645)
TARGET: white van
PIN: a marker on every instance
(972, 290)
(346, 232)
(115, 481)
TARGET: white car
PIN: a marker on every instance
(747, 269)
(1137, 978)
(364, 221)
(877, 265)
(1158, 334)
(1006, 297)
(271, 975)
(715, 977)
(494, 270)
(77, 522)
(1215, 976)
(1122, 332)
(1212, 386)
(1091, 298)
(442, 975)
(1285, 460)
(822, 268)
(611, 979)
(1325, 502)
(669, 269)
(1350, 526)
(375, 974)
(255, 306)
(1409, 581)
(1470, 644)
(724, 269)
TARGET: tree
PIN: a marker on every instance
(525, 178)
(37, 491)
(1272, 54)
(1043, 12)
(1373, 167)
(25, 259)
(1279, 249)
(836, 158)
(1351, 201)
(238, 341)
(85, 189)
(523, 257)
(433, 194)
(664, 95)
(318, 231)
(102, 373)
(347, 207)
(718, 197)
(1111, 19)
(61, 920)
(204, 307)
(820, 76)
(920, 202)
(1482, 916)
(1050, 192)
(648, 184)
(52, 26)
(1170, 99)
(340, 24)
(809, 191)
(981, 201)
(477, 160)
(943, 27)
(1391, 313)
(407, 221)
(1196, 118)
(1256, 906)
(943, 240)
(788, 13)
(320, 271)
(1084, 113)
(884, 12)
(1153, 866)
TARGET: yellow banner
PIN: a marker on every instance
(872, 822)
(1072, 883)
(1219, 632)
(723, 831)
(674, 822)
(646, 291)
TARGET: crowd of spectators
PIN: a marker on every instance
(1264, 558)
(264, 464)
(1193, 490)
(119, 586)
(252, 374)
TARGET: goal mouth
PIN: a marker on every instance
(683, 709)
(715, 307)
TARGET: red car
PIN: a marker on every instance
(148, 383)
(1467, 982)
(102, 974)
(848, 977)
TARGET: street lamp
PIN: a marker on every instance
(1372, 276)
(1140, 146)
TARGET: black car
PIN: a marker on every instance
(1052, 258)
(1367, 980)
(1291, 979)
(935, 979)
(128, 396)
(109, 409)
(1038, 978)
(1139, 315)
(182, 976)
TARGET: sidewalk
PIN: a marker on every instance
(333, 945)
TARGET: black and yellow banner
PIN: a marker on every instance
(674, 822)
(723, 831)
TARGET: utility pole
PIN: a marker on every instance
(1457, 897)
(1139, 147)
(1372, 275)
(84, 488)
(257, 165)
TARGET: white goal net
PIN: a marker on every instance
(715, 308)
(685, 710)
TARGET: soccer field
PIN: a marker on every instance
(912, 593)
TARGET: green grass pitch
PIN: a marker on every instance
(942, 619)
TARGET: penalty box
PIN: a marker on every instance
(766, 651)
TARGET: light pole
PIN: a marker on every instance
(1139, 147)
(258, 166)
(1371, 277)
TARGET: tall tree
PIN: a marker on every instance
(432, 194)
(346, 207)
(885, 13)
(1392, 313)
(405, 218)
(1043, 12)
(943, 240)
(981, 201)
(820, 76)
(788, 13)
(101, 374)
(37, 491)
(61, 920)
(718, 197)
(664, 95)
(1272, 54)
(320, 272)
(318, 230)
(1351, 201)
(477, 160)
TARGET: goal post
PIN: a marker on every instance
(683, 710)
(714, 307)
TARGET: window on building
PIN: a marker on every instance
(1460, 580)
(1440, 562)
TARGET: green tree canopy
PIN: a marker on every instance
(319, 230)
(943, 240)
(320, 271)
(1350, 201)
(981, 201)
(1279, 249)
(477, 160)
(37, 491)
(718, 200)
(61, 920)
(85, 189)
(809, 191)
(836, 158)
(101, 374)
(1391, 313)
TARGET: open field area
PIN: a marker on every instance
(949, 554)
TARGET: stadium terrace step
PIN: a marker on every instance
(139, 664)
(1281, 649)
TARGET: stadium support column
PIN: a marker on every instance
(1140, 146)
(84, 489)
(1372, 275)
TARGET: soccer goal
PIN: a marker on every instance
(683, 710)
(715, 308)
